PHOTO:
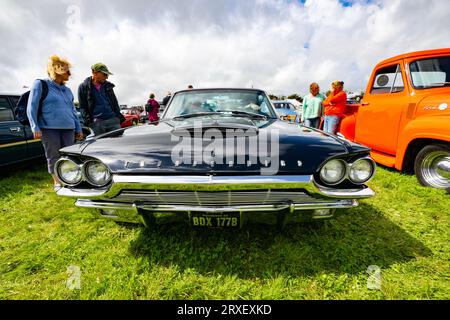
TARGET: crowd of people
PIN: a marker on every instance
(54, 119)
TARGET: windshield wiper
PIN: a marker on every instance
(193, 115)
(244, 113)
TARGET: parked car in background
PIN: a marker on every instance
(16, 140)
(217, 158)
(17, 143)
(132, 117)
(286, 110)
(130, 120)
(404, 116)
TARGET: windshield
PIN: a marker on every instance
(204, 102)
(430, 73)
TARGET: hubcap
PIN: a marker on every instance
(436, 169)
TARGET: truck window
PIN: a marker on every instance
(388, 80)
(430, 73)
(5, 110)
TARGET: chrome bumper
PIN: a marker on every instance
(312, 203)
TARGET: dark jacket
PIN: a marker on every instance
(166, 100)
(87, 101)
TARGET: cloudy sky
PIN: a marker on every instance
(153, 46)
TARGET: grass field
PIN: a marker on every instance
(404, 231)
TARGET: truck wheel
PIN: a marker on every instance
(432, 166)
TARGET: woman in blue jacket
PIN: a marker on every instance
(57, 124)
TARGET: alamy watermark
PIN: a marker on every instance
(74, 278)
(74, 17)
(230, 147)
(374, 279)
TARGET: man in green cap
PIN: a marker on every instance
(98, 103)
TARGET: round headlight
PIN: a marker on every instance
(361, 170)
(97, 173)
(333, 172)
(68, 172)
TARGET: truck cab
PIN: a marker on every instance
(404, 116)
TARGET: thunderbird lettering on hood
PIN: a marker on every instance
(235, 146)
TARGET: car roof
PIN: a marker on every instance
(414, 54)
(213, 89)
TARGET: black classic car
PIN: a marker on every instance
(217, 158)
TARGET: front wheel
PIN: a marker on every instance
(432, 166)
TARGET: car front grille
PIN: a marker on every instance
(217, 198)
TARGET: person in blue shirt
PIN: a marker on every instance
(57, 125)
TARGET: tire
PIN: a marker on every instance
(432, 166)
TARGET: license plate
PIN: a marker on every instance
(216, 220)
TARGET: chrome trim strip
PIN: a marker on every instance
(332, 193)
(254, 208)
(214, 183)
(83, 193)
(175, 208)
(106, 205)
(177, 180)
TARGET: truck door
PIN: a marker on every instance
(13, 145)
(378, 119)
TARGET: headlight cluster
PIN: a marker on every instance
(97, 173)
(69, 172)
(335, 171)
(93, 171)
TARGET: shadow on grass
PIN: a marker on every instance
(15, 178)
(349, 243)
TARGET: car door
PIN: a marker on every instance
(379, 115)
(34, 146)
(13, 143)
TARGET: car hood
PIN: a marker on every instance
(183, 147)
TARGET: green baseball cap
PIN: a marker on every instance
(100, 67)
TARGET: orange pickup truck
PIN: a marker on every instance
(404, 116)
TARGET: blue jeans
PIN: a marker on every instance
(330, 124)
(104, 126)
(313, 122)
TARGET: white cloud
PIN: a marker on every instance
(155, 46)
